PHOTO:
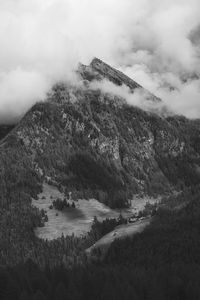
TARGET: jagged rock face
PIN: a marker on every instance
(95, 143)
(98, 70)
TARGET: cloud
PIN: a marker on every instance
(155, 42)
(18, 91)
(140, 97)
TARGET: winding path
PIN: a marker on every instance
(119, 232)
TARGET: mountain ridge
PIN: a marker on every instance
(94, 145)
(86, 126)
(102, 70)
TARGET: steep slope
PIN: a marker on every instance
(94, 145)
(98, 70)
(4, 130)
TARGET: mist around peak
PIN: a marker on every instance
(156, 44)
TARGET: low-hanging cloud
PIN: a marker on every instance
(139, 97)
(155, 42)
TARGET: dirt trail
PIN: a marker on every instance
(119, 232)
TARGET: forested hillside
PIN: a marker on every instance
(161, 263)
(94, 145)
(4, 130)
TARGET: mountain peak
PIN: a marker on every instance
(113, 75)
(96, 61)
(99, 70)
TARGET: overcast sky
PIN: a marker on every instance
(156, 42)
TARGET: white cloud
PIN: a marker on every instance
(18, 91)
(41, 42)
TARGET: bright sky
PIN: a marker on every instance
(155, 42)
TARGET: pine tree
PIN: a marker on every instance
(39, 296)
(60, 292)
(25, 296)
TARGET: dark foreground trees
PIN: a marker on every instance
(162, 263)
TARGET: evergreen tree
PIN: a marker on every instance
(39, 296)
(60, 292)
(25, 296)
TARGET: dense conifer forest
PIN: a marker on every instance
(161, 263)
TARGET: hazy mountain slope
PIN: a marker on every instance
(96, 145)
(98, 70)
